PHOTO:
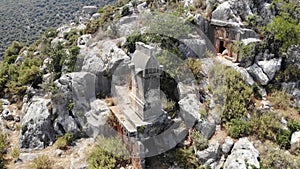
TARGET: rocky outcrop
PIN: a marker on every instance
(243, 154)
(227, 145)
(238, 10)
(210, 155)
(295, 143)
(270, 67)
(206, 128)
(76, 108)
(101, 59)
(293, 56)
(37, 131)
(75, 92)
(189, 109)
(258, 74)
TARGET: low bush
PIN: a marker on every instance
(107, 153)
(274, 158)
(184, 158)
(199, 140)
(280, 99)
(237, 128)
(15, 152)
(293, 125)
(3, 146)
(265, 126)
(42, 162)
(283, 139)
(64, 141)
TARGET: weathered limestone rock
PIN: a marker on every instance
(96, 119)
(227, 145)
(75, 92)
(101, 59)
(193, 47)
(266, 14)
(224, 12)
(242, 155)
(185, 89)
(293, 88)
(89, 9)
(295, 143)
(37, 131)
(206, 128)
(258, 74)
(95, 16)
(293, 53)
(270, 67)
(82, 40)
(189, 109)
(211, 154)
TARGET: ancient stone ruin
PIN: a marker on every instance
(139, 113)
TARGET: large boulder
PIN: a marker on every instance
(293, 54)
(243, 154)
(227, 145)
(224, 12)
(96, 119)
(102, 59)
(189, 109)
(211, 154)
(37, 131)
(293, 88)
(75, 93)
(258, 74)
(193, 47)
(270, 67)
(206, 128)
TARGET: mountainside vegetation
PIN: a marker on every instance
(25, 21)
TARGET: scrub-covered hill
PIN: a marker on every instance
(26, 20)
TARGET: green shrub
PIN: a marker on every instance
(169, 106)
(71, 105)
(50, 33)
(42, 162)
(131, 40)
(280, 99)
(252, 20)
(184, 157)
(195, 66)
(107, 153)
(237, 128)
(64, 141)
(239, 96)
(283, 138)
(273, 157)
(13, 50)
(293, 125)
(3, 146)
(265, 126)
(290, 73)
(199, 140)
(231, 93)
(15, 152)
